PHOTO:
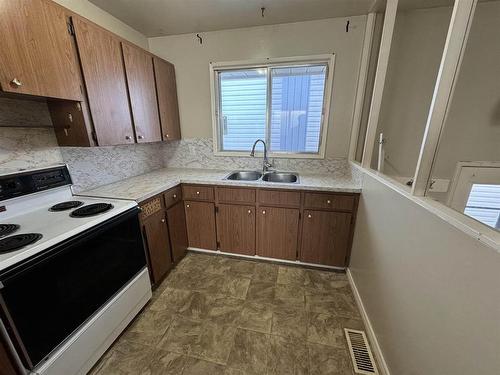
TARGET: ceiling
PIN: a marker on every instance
(167, 17)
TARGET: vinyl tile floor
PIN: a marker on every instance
(218, 315)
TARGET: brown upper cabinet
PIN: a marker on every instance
(36, 54)
(142, 92)
(167, 99)
(102, 65)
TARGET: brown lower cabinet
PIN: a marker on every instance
(309, 226)
(156, 238)
(277, 232)
(200, 223)
(325, 237)
(236, 228)
(176, 219)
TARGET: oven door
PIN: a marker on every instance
(47, 297)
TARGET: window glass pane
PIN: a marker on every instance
(466, 170)
(417, 47)
(296, 108)
(243, 102)
(484, 204)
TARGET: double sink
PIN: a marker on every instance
(274, 176)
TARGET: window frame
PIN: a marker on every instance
(216, 67)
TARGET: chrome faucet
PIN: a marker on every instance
(265, 163)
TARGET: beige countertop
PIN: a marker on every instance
(145, 186)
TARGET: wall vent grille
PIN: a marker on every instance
(361, 354)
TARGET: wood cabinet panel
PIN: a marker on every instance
(176, 219)
(172, 196)
(36, 54)
(158, 244)
(236, 228)
(325, 237)
(329, 201)
(168, 105)
(279, 198)
(200, 223)
(142, 91)
(104, 75)
(277, 232)
(235, 195)
(199, 193)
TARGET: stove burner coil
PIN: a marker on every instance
(63, 206)
(18, 241)
(6, 229)
(91, 210)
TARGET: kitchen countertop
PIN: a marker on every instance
(142, 187)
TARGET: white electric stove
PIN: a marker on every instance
(72, 271)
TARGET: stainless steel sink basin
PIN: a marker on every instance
(283, 177)
(244, 176)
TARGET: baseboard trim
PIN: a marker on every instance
(382, 365)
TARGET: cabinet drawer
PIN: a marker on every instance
(279, 198)
(151, 207)
(329, 201)
(235, 195)
(172, 196)
(199, 193)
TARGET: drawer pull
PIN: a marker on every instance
(175, 196)
(187, 205)
(162, 220)
(264, 212)
(249, 211)
(197, 193)
(328, 201)
(309, 216)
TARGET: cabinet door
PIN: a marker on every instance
(325, 237)
(104, 75)
(158, 245)
(167, 99)
(176, 219)
(277, 232)
(142, 91)
(236, 229)
(36, 55)
(200, 223)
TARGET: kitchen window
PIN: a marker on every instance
(282, 101)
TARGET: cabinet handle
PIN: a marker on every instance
(168, 136)
(187, 205)
(162, 220)
(309, 216)
(328, 201)
(249, 211)
(264, 212)
(197, 193)
(140, 137)
(16, 82)
(175, 196)
(127, 137)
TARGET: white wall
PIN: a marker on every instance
(295, 39)
(430, 291)
(417, 47)
(472, 129)
(106, 20)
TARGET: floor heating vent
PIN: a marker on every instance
(361, 354)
